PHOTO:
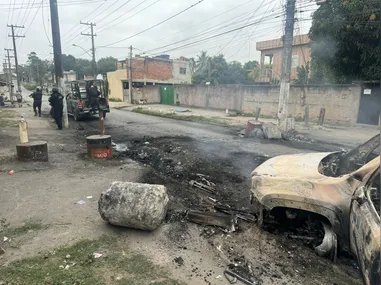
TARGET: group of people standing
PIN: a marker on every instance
(55, 100)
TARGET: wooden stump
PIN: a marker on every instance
(32, 151)
(99, 146)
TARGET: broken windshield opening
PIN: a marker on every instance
(344, 162)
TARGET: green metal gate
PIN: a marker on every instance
(167, 95)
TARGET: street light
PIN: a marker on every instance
(82, 49)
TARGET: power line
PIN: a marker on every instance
(207, 20)
(124, 4)
(232, 39)
(207, 31)
(210, 37)
(123, 20)
(254, 29)
(43, 23)
(79, 26)
(167, 19)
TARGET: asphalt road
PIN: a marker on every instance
(126, 125)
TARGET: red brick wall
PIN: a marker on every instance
(151, 69)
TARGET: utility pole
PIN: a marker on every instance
(10, 90)
(15, 52)
(286, 65)
(130, 77)
(92, 35)
(58, 68)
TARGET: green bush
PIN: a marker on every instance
(114, 100)
(30, 86)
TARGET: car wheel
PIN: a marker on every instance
(76, 117)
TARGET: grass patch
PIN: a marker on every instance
(12, 232)
(7, 118)
(114, 100)
(76, 264)
(198, 119)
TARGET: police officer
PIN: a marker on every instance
(56, 101)
(37, 101)
(93, 93)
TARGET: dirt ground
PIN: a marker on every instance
(47, 194)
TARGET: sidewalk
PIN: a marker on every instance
(350, 136)
(119, 105)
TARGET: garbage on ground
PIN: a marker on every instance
(5, 239)
(81, 202)
(179, 260)
(182, 111)
(97, 255)
(227, 222)
(11, 172)
(150, 205)
(119, 147)
(241, 270)
(89, 197)
(67, 256)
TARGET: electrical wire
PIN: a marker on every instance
(239, 31)
(124, 4)
(126, 13)
(208, 31)
(254, 29)
(151, 27)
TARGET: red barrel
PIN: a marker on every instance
(99, 146)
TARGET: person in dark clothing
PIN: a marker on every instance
(56, 101)
(37, 101)
(2, 100)
(93, 94)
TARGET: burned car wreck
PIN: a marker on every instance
(340, 191)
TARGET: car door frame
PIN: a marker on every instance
(363, 221)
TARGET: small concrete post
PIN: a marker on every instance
(321, 117)
(23, 130)
(257, 113)
(306, 115)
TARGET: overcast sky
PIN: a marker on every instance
(184, 35)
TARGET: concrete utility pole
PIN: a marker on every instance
(15, 52)
(58, 68)
(92, 35)
(10, 90)
(286, 65)
(130, 77)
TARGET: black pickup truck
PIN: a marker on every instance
(78, 102)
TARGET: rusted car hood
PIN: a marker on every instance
(296, 165)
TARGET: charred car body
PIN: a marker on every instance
(340, 189)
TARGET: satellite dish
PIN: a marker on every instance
(99, 77)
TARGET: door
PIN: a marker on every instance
(365, 229)
(167, 95)
(69, 100)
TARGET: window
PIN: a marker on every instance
(125, 85)
(183, 70)
(295, 61)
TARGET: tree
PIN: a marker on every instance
(202, 61)
(250, 67)
(83, 67)
(217, 71)
(37, 70)
(107, 64)
(68, 62)
(345, 40)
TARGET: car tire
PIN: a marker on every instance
(76, 117)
